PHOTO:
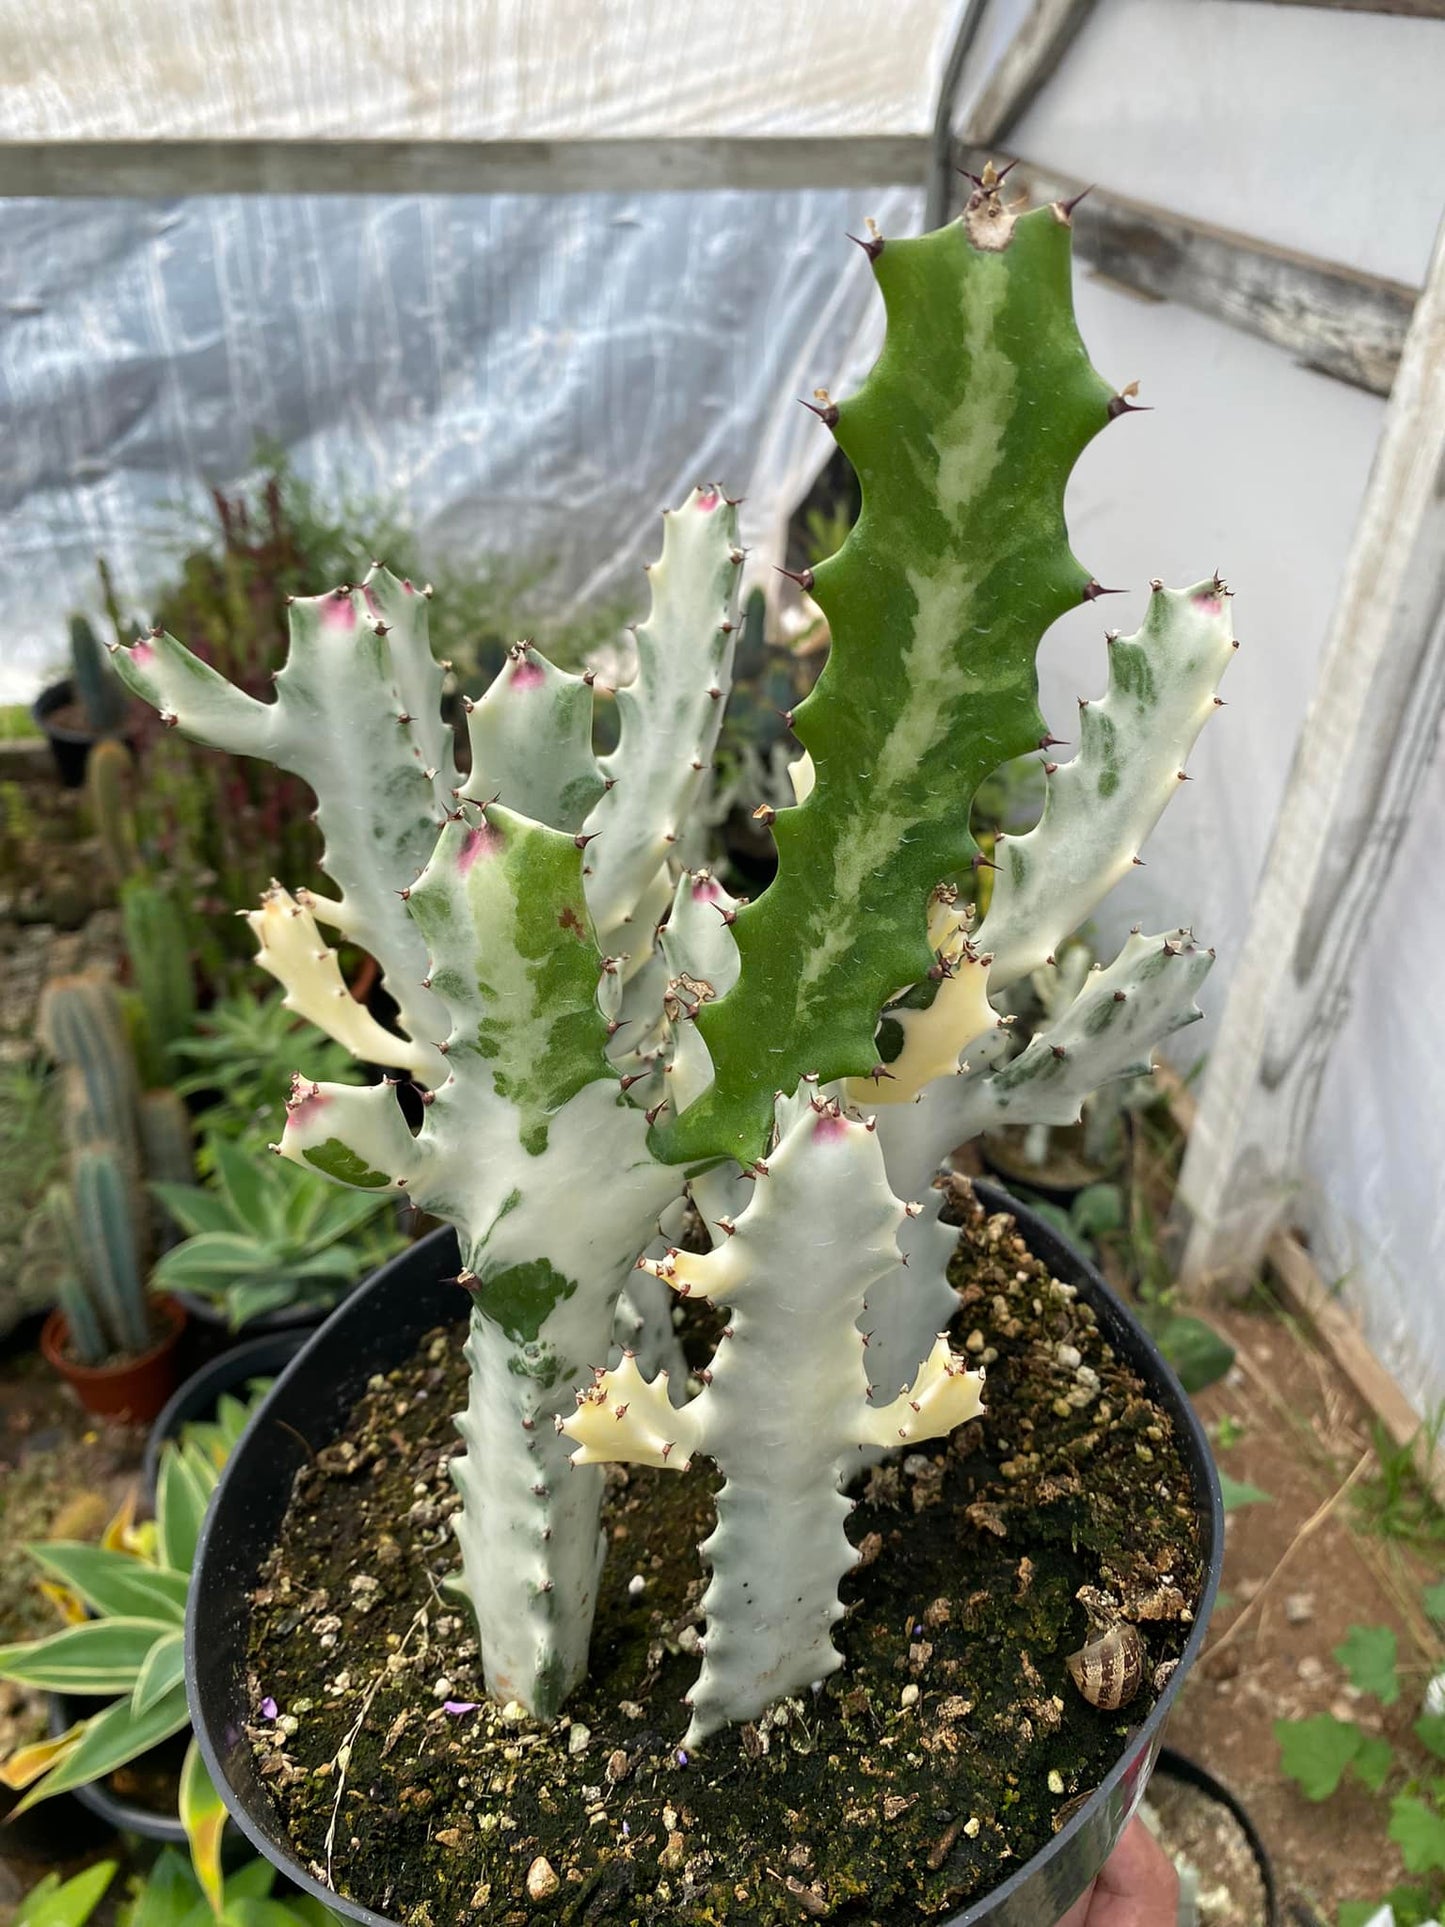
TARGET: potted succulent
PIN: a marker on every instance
(114, 1671)
(111, 1342)
(610, 1063)
(83, 708)
(268, 1245)
(169, 1894)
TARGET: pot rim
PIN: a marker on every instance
(1137, 1751)
(56, 1328)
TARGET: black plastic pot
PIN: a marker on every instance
(374, 1330)
(70, 747)
(231, 1372)
(206, 1313)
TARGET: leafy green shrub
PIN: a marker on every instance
(267, 1236)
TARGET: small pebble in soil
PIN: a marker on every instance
(542, 1881)
(1299, 1608)
(577, 1737)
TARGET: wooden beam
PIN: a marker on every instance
(159, 169)
(1024, 68)
(1370, 730)
(1304, 1292)
(1410, 9)
(1333, 318)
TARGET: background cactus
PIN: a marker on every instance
(94, 683)
(578, 1073)
(157, 943)
(119, 1137)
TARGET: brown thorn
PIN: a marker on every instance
(827, 415)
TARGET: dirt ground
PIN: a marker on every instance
(1288, 1600)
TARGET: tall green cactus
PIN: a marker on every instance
(594, 1032)
(109, 788)
(119, 1137)
(95, 686)
(158, 946)
(963, 438)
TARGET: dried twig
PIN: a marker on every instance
(1311, 1525)
(342, 1759)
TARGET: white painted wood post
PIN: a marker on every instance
(1369, 733)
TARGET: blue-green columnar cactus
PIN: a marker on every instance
(597, 1036)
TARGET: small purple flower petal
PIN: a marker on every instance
(269, 1709)
(681, 1757)
(455, 1707)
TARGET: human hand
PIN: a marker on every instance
(1137, 1887)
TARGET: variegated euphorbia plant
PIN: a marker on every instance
(596, 1037)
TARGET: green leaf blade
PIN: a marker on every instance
(96, 1657)
(114, 1584)
(1368, 1655)
(112, 1738)
(1238, 1493)
(1418, 1830)
(164, 1668)
(1315, 1752)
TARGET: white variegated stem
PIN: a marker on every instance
(914, 1300)
(669, 720)
(340, 722)
(547, 1273)
(643, 1324)
(531, 737)
(934, 1036)
(529, 1528)
(402, 612)
(702, 964)
(1100, 807)
(292, 949)
(530, 1148)
(1108, 1032)
(786, 1413)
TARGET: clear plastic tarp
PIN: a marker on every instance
(535, 376)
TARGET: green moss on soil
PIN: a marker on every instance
(934, 1764)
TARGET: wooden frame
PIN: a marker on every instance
(159, 169)
(1333, 318)
(1304, 1293)
(1371, 728)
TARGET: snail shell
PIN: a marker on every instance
(1109, 1670)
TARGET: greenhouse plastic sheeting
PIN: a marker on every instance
(527, 378)
(460, 70)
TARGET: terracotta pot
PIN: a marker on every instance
(137, 1388)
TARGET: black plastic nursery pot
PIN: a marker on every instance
(377, 1328)
(100, 1799)
(232, 1371)
(211, 1320)
(69, 745)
